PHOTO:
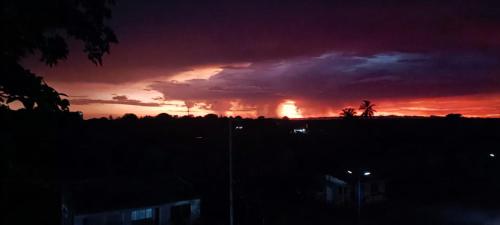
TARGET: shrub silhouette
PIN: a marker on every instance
(454, 115)
(130, 117)
(163, 116)
(211, 116)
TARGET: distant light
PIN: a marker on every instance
(492, 155)
(239, 128)
(199, 137)
(349, 172)
(299, 131)
(367, 173)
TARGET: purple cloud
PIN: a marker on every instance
(118, 99)
(161, 38)
(333, 79)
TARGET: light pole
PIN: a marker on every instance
(230, 146)
(359, 174)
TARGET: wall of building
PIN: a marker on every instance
(123, 217)
(337, 191)
(340, 193)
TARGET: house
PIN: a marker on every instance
(344, 191)
(129, 202)
(373, 191)
(336, 191)
(178, 212)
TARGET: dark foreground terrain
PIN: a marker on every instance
(436, 170)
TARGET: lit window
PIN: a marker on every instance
(299, 131)
(142, 214)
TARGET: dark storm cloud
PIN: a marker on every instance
(119, 99)
(336, 78)
(160, 38)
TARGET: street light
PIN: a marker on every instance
(492, 155)
(230, 148)
(358, 189)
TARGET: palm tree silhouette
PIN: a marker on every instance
(367, 108)
(348, 112)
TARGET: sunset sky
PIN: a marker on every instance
(287, 58)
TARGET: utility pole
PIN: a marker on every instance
(359, 195)
(357, 186)
(230, 145)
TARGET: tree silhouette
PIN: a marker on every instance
(211, 116)
(454, 115)
(130, 117)
(348, 113)
(367, 108)
(163, 116)
(32, 26)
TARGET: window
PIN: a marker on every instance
(142, 214)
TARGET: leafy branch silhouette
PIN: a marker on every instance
(31, 26)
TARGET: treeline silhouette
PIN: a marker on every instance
(276, 170)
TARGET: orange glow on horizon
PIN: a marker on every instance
(469, 106)
(480, 105)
